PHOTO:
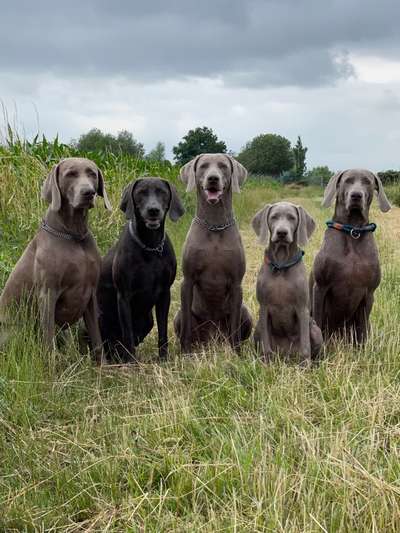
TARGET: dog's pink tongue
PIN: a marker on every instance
(213, 195)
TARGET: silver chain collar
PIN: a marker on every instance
(158, 249)
(63, 235)
(215, 227)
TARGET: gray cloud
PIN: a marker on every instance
(252, 43)
(328, 71)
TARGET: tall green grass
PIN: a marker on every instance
(214, 442)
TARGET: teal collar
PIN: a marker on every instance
(279, 267)
(353, 231)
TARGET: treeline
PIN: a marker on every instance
(266, 155)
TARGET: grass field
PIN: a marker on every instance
(209, 443)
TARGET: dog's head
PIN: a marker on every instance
(151, 199)
(284, 222)
(354, 190)
(74, 180)
(213, 174)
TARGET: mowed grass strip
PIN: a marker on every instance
(214, 442)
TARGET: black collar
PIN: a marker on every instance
(279, 267)
(158, 249)
(63, 235)
(215, 227)
(353, 231)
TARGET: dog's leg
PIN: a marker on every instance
(303, 317)
(264, 333)
(246, 323)
(47, 306)
(186, 315)
(162, 310)
(361, 319)
(316, 340)
(236, 305)
(90, 316)
(125, 318)
(318, 303)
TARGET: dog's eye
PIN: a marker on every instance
(274, 217)
(91, 173)
(350, 181)
(292, 218)
(222, 166)
(203, 166)
(71, 174)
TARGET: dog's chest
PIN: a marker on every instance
(281, 289)
(81, 274)
(216, 260)
(149, 279)
(355, 270)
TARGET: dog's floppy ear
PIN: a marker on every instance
(188, 173)
(239, 174)
(260, 224)
(305, 227)
(331, 189)
(50, 189)
(383, 202)
(127, 205)
(101, 190)
(176, 209)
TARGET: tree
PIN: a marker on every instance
(126, 144)
(97, 141)
(158, 153)
(319, 175)
(268, 154)
(299, 156)
(195, 142)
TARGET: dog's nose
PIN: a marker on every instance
(153, 211)
(88, 192)
(356, 196)
(212, 180)
(282, 233)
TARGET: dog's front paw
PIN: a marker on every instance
(186, 346)
(99, 356)
(305, 361)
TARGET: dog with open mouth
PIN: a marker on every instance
(213, 260)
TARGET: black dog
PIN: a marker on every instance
(138, 271)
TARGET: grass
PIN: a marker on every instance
(210, 443)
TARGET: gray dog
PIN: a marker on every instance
(285, 325)
(346, 270)
(213, 257)
(62, 262)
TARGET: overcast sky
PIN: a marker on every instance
(326, 70)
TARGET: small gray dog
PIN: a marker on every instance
(285, 325)
(62, 262)
(346, 270)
